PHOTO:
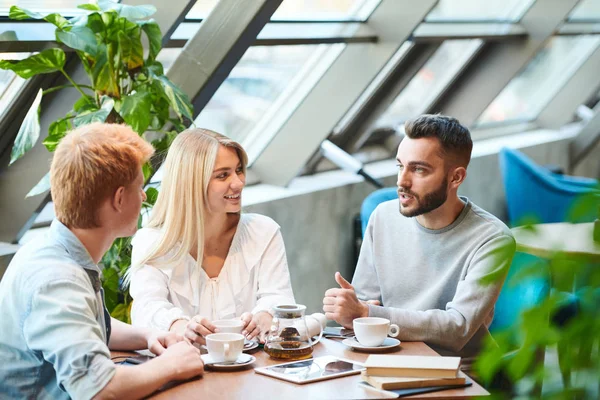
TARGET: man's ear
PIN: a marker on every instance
(118, 200)
(457, 176)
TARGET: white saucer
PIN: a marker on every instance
(388, 343)
(250, 345)
(243, 360)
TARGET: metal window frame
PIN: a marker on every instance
(582, 84)
(393, 21)
(499, 63)
(222, 39)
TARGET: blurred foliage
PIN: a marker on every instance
(125, 86)
(566, 319)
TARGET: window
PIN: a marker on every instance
(10, 83)
(64, 7)
(266, 80)
(586, 10)
(304, 9)
(479, 10)
(525, 96)
(429, 82)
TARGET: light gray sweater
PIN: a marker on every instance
(429, 281)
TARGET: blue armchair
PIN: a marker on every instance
(372, 201)
(533, 192)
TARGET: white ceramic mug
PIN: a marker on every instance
(229, 325)
(224, 347)
(372, 331)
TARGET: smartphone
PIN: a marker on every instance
(136, 360)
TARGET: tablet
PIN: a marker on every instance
(312, 370)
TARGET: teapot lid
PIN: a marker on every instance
(289, 310)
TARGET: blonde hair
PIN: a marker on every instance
(89, 165)
(180, 209)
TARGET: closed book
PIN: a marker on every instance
(392, 382)
(412, 366)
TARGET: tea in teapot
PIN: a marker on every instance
(289, 338)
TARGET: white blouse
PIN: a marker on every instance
(254, 278)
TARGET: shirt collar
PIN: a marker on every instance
(63, 235)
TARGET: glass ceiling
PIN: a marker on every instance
(427, 84)
(260, 83)
(10, 83)
(586, 10)
(64, 7)
(525, 96)
(304, 9)
(479, 10)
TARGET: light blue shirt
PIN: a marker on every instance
(53, 340)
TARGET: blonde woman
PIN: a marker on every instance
(199, 259)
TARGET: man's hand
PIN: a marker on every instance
(342, 305)
(158, 341)
(256, 325)
(184, 361)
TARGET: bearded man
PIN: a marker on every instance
(431, 262)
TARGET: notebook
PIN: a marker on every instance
(391, 382)
(411, 391)
(412, 366)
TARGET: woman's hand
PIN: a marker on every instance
(195, 329)
(256, 325)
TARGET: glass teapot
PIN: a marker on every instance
(289, 338)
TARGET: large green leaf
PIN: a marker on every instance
(132, 51)
(85, 103)
(162, 145)
(29, 132)
(147, 171)
(18, 13)
(42, 186)
(154, 34)
(135, 110)
(57, 130)
(95, 23)
(178, 99)
(103, 76)
(151, 196)
(79, 38)
(89, 7)
(95, 116)
(49, 60)
(129, 12)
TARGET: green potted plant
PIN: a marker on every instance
(564, 324)
(125, 86)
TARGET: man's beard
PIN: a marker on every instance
(430, 201)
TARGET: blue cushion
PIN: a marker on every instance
(371, 202)
(533, 192)
(520, 293)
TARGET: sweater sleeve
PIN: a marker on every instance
(365, 280)
(474, 299)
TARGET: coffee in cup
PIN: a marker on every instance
(229, 325)
(225, 347)
(372, 331)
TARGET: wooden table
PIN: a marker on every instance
(573, 240)
(246, 384)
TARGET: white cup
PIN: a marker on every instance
(229, 325)
(372, 331)
(224, 347)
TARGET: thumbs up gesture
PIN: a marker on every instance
(342, 305)
(344, 284)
